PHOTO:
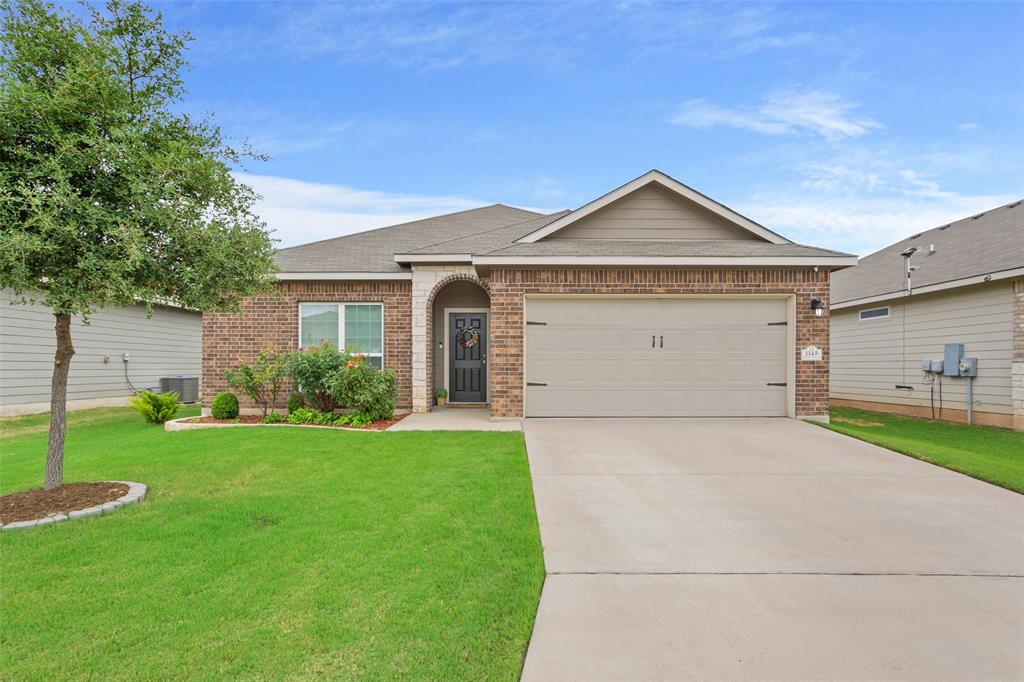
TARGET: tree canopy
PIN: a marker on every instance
(109, 193)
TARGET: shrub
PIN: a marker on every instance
(273, 418)
(441, 393)
(295, 401)
(225, 406)
(261, 380)
(355, 419)
(307, 415)
(369, 391)
(312, 369)
(156, 407)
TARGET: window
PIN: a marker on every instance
(354, 327)
(874, 313)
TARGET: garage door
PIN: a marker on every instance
(646, 357)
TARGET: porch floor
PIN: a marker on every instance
(455, 419)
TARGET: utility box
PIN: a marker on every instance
(951, 361)
(968, 367)
(187, 387)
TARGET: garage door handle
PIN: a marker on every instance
(776, 383)
(652, 340)
(661, 342)
(535, 383)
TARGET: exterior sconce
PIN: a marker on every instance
(817, 307)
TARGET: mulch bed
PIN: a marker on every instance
(379, 425)
(38, 504)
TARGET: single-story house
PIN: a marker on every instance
(965, 286)
(120, 351)
(652, 300)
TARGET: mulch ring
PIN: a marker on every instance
(39, 503)
(379, 425)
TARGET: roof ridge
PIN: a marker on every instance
(405, 224)
(1010, 204)
(495, 229)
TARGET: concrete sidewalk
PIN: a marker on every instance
(455, 419)
(767, 549)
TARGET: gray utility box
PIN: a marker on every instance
(951, 361)
(968, 367)
(186, 387)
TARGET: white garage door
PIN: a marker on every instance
(648, 357)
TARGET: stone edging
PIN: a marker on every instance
(136, 491)
(185, 424)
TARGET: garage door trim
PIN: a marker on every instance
(790, 331)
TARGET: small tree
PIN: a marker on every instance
(262, 381)
(108, 195)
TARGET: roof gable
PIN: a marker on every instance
(654, 206)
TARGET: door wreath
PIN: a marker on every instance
(468, 337)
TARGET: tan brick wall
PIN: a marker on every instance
(272, 321)
(509, 287)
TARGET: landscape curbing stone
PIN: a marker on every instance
(136, 492)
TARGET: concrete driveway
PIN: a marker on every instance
(767, 549)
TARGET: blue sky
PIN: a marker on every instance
(840, 125)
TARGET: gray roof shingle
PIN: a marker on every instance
(654, 248)
(983, 244)
(373, 250)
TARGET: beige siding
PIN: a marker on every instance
(167, 344)
(869, 357)
(652, 213)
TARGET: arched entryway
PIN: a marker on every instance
(458, 319)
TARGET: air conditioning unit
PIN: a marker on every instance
(187, 387)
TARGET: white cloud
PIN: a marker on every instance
(862, 221)
(817, 111)
(298, 212)
(969, 126)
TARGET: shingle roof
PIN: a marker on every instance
(373, 251)
(983, 244)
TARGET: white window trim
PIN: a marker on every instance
(341, 323)
(887, 309)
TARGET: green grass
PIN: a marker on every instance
(984, 452)
(273, 553)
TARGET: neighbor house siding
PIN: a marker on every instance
(870, 357)
(272, 321)
(652, 213)
(167, 344)
(509, 287)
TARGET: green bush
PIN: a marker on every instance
(225, 406)
(308, 415)
(355, 420)
(312, 369)
(441, 393)
(367, 390)
(273, 418)
(262, 380)
(295, 401)
(156, 407)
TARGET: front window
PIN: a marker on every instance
(354, 327)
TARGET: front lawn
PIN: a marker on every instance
(273, 553)
(991, 454)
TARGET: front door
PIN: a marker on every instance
(467, 357)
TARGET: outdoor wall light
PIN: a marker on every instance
(817, 306)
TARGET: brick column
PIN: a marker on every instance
(425, 281)
(1017, 371)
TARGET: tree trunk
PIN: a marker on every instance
(58, 403)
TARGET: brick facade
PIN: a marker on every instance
(272, 321)
(509, 287)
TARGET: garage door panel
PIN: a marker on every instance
(715, 358)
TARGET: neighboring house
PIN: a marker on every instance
(167, 344)
(652, 300)
(968, 287)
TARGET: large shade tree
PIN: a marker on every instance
(109, 194)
